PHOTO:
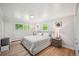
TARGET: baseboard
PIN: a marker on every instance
(15, 40)
(68, 47)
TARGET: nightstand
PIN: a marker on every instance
(57, 42)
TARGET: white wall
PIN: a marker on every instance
(68, 35)
(1, 24)
(10, 31)
(0, 29)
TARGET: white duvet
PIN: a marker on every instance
(36, 43)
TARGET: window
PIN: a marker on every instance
(45, 27)
(22, 27)
(26, 27)
(19, 26)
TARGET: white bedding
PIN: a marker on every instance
(36, 43)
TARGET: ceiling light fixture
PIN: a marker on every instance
(31, 16)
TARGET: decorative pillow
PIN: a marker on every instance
(39, 33)
(46, 34)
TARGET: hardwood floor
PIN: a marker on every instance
(16, 49)
(52, 51)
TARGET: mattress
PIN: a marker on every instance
(36, 43)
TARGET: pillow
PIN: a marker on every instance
(46, 34)
(39, 33)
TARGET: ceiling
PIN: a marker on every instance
(36, 12)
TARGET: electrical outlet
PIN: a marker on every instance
(76, 42)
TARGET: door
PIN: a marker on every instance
(77, 31)
(0, 30)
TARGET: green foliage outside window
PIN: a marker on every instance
(22, 27)
(19, 26)
(26, 26)
(45, 26)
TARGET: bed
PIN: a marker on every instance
(35, 43)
